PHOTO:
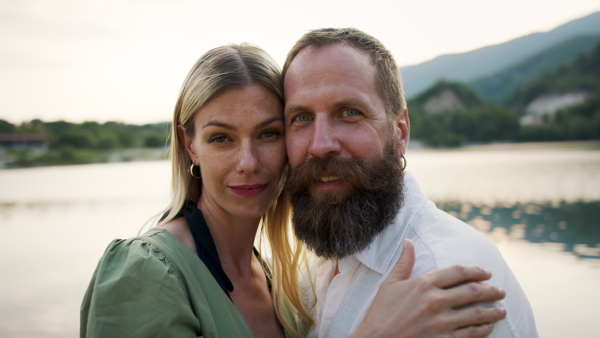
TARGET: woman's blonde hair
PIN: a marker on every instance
(222, 68)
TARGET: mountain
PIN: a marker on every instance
(497, 87)
(465, 67)
(580, 75)
(444, 97)
(563, 104)
(452, 114)
(558, 105)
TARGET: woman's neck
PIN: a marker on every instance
(233, 237)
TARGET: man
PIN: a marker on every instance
(347, 130)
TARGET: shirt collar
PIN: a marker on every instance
(387, 245)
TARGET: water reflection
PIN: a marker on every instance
(574, 224)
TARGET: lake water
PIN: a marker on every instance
(540, 205)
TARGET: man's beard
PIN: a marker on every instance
(337, 224)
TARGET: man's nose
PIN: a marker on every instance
(324, 141)
(248, 161)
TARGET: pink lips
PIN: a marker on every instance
(248, 190)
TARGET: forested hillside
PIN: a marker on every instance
(452, 114)
(577, 122)
(497, 87)
(583, 74)
(472, 120)
(88, 142)
(475, 64)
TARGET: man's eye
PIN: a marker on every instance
(303, 117)
(351, 112)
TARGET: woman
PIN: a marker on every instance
(197, 273)
(228, 157)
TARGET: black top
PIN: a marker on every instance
(206, 249)
(205, 245)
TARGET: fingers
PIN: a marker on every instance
(478, 331)
(477, 321)
(471, 293)
(405, 263)
(459, 274)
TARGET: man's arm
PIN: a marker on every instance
(432, 305)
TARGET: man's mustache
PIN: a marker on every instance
(350, 170)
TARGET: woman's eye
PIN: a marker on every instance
(351, 112)
(218, 139)
(271, 133)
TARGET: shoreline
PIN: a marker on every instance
(160, 154)
(499, 146)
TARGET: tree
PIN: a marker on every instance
(6, 127)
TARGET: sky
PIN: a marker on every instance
(125, 60)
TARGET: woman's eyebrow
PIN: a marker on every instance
(218, 124)
(230, 127)
(269, 121)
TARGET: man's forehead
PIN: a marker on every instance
(336, 60)
(330, 52)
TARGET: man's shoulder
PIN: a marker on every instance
(443, 240)
(431, 221)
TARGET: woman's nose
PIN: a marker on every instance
(248, 160)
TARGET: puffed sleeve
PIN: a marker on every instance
(135, 292)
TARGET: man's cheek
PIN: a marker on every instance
(297, 154)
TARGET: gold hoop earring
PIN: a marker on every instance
(192, 171)
(403, 162)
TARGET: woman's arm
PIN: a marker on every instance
(135, 292)
(433, 304)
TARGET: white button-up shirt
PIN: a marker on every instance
(440, 241)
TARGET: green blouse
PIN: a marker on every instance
(155, 286)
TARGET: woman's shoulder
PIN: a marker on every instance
(138, 254)
(159, 250)
(134, 276)
(180, 229)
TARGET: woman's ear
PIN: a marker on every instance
(187, 142)
(402, 130)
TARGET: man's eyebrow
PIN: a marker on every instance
(346, 103)
(339, 104)
(295, 108)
